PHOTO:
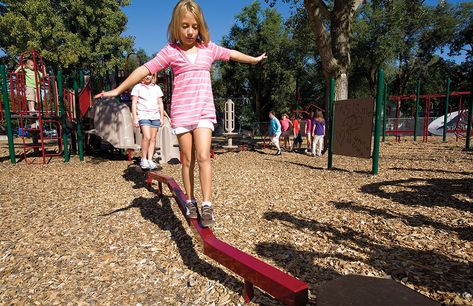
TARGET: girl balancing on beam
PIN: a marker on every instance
(190, 54)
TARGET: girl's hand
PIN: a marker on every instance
(161, 123)
(106, 94)
(260, 58)
(136, 123)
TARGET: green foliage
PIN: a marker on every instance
(384, 36)
(272, 84)
(462, 39)
(69, 34)
(136, 59)
(305, 60)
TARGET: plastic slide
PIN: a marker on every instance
(436, 126)
(113, 123)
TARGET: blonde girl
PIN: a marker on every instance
(190, 53)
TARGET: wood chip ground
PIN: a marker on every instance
(92, 233)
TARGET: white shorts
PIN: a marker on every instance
(275, 139)
(205, 123)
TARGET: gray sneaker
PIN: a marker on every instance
(207, 216)
(191, 210)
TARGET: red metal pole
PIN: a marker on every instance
(458, 128)
(398, 113)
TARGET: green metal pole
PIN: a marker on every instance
(80, 142)
(377, 122)
(331, 117)
(416, 120)
(385, 105)
(470, 113)
(6, 108)
(447, 99)
(63, 116)
(81, 79)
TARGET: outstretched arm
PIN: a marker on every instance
(20, 67)
(246, 59)
(135, 77)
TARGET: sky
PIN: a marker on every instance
(148, 19)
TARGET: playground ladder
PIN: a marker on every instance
(39, 142)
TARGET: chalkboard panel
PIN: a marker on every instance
(352, 127)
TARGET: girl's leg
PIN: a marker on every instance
(314, 144)
(188, 160)
(146, 131)
(321, 145)
(202, 142)
(152, 142)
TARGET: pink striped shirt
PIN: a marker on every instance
(192, 97)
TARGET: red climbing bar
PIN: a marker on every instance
(278, 284)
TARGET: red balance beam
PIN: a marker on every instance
(278, 284)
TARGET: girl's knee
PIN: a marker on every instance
(203, 157)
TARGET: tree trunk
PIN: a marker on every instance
(333, 47)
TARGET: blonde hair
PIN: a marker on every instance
(181, 8)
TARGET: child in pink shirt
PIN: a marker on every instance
(190, 54)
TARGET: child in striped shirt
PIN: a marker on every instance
(190, 54)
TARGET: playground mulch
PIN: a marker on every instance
(92, 232)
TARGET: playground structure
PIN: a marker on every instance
(68, 119)
(229, 124)
(58, 111)
(280, 285)
(457, 119)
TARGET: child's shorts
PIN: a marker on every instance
(31, 94)
(275, 138)
(205, 123)
(154, 123)
(298, 139)
(287, 133)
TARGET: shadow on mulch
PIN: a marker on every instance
(431, 170)
(136, 175)
(425, 192)
(163, 216)
(465, 233)
(298, 164)
(18, 158)
(422, 268)
(101, 156)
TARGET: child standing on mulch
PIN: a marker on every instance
(308, 131)
(286, 127)
(190, 54)
(147, 110)
(296, 129)
(275, 131)
(318, 130)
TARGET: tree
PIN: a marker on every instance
(69, 34)
(306, 64)
(332, 29)
(331, 24)
(270, 84)
(462, 40)
(405, 45)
